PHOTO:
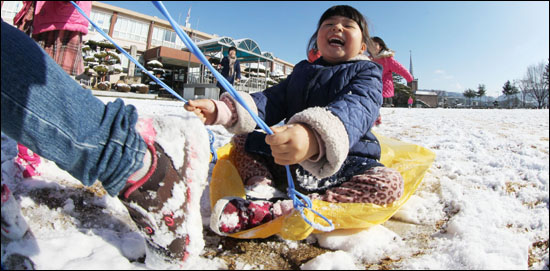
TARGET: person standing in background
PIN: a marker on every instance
(384, 56)
(58, 28)
(410, 101)
(231, 68)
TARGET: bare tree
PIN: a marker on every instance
(536, 85)
(546, 79)
(524, 89)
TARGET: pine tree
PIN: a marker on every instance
(469, 93)
(508, 89)
(402, 92)
(101, 59)
(481, 91)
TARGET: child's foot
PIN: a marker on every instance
(233, 214)
(378, 121)
(28, 160)
(17, 261)
(159, 198)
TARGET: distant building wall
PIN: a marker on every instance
(413, 85)
(430, 100)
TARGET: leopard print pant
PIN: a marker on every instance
(378, 185)
(248, 165)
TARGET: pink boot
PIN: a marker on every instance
(378, 121)
(233, 214)
(29, 160)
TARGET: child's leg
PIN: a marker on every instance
(233, 214)
(251, 169)
(378, 185)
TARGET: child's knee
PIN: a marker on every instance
(378, 185)
(247, 165)
(391, 185)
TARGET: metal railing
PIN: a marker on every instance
(248, 84)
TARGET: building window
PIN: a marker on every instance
(166, 37)
(130, 29)
(288, 70)
(137, 70)
(279, 68)
(9, 9)
(101, 19)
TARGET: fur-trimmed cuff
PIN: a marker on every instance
(245, 123)
(334, 135)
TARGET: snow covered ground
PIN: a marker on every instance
(483, 204)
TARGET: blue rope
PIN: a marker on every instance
(211, 135)
(293, 194)
(212, 150)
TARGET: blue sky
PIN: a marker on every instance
(455, 45)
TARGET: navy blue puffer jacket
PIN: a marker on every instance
(351, 91)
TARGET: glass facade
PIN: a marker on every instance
(9, 9)
(101, 19)
(279, 68)
(130, 29)
(166, 37)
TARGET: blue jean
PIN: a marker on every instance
(51, 114)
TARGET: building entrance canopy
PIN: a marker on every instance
(247, 49)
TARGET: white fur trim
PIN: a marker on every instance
(385, 53)
(360, 57)
(215, 216)
(334, 134)
(245, 123)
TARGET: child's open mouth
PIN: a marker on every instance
(336, 41)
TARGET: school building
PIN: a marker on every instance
(149, 38)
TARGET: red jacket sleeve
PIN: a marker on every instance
(399, 69)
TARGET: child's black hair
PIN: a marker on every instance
(380, 42)
(344, 11)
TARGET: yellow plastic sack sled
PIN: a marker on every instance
(412, 161)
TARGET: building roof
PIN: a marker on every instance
(134, 14)
(247, 49)
(425, 93)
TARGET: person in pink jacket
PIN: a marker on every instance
(384, 56)
(58, 28)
